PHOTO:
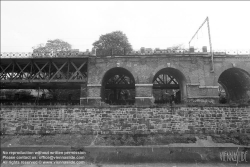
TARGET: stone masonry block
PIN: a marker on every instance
(94, 91)
(125, 120)
(143, 91)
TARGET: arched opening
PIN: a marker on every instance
(236, 83)
(169, 86)
(118, 87)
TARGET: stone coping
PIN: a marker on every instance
(143, 84)
(144, 97)
(90, 98)
(123, 106)
(94, 85)
(193, 84)
(203, 97)
(212, 87)
(202, 86)
(189, 84)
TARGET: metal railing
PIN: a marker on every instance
(138, 52)
(41, 55)
(7, 102)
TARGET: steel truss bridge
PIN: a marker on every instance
(43, 73)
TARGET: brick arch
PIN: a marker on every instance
(117, 79)
(178, 76)
(105, 70)
(236, 82)
(160, 67)
(229, 66)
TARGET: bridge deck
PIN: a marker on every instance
(27, 73)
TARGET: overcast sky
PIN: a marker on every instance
(149, 24)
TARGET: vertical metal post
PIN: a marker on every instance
(49, 71)
(13, 68)
(68, 70)
(31, 69)
(210, 43)
(38, 95)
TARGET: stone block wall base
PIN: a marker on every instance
(202, 100)
(124, 120)
(144, 90)
(144, 101)
(91, 102)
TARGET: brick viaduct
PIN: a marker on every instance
(196, 75)
(193, 71)
(197, 83)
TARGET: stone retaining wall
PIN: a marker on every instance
(124, 120)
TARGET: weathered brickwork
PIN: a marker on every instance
(94, 92)
(201, 101)
(143, 91)
(125, 120)
(193, 72)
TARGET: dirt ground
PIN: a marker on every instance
(173, 140)
(80, 140)
(100, 140)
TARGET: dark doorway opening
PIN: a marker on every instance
(236, 83)
(168, 86)
(118, 87)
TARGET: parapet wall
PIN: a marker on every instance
(115, 120)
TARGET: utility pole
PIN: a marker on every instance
(210, 43)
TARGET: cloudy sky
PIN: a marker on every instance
(149, 24)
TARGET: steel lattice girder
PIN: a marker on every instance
(43, 72)
(165, 81)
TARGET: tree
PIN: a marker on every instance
(52, 46)
(55, 46)
(114, 43)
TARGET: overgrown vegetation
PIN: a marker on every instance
(236, 138)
